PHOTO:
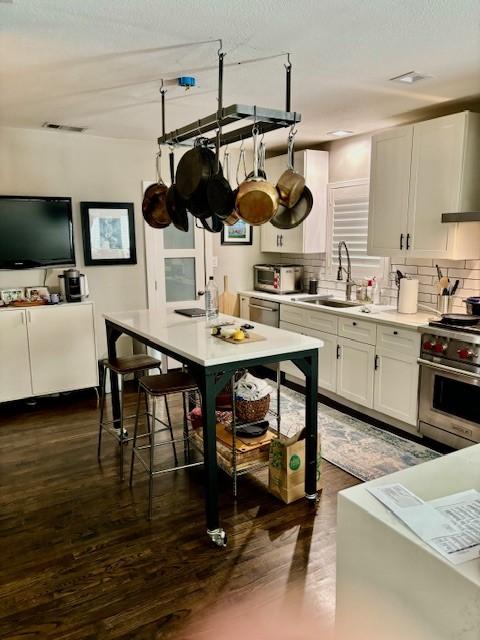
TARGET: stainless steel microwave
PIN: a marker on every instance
(278, 278)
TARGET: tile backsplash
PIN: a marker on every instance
(466, 271)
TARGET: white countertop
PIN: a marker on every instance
(191, 338)
(392, 585)
(452, 473)
(386, 314)
(45, 306)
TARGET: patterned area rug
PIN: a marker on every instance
(358, 448)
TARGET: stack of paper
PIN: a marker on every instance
(450, 525)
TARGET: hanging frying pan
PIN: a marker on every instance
(176, 205)
(220, 195)
(290, 184)
(257, 199)
(154, 204)
(194, 169)
(291, 217)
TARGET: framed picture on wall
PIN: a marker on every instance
(108, 233)
(240, 233)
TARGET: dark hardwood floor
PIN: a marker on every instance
(79, 560)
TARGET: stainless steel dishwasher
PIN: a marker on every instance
(264, 311)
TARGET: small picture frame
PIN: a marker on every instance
(240, 233)
(108, 233)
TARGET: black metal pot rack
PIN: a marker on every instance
(265, 119)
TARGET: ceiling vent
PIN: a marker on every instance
(62, 127)
(410, 78)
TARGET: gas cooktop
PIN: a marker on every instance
(473, 328)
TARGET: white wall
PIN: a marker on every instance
(47, 163)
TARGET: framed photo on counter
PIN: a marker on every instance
(240, 233)
(108, 233)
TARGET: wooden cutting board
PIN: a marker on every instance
(227, 301)
(252, 337)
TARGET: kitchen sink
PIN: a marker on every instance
(323, 301)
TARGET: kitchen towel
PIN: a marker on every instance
(408, 296)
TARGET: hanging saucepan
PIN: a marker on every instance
(194, 169)
(289, 218)
(257, 199)
(176, 205)
(220, 196)
(154, 205)
(290, 184)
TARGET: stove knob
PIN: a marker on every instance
(439, 347)
(427, 345)
(465, 354)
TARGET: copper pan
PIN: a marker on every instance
(154, 204)
(257, 199)
(290, 184)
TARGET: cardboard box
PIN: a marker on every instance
(286, 470)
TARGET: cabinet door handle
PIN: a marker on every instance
(377, 361)
(408, 241)
(277, 239)
(281, 240)
(339, 352)
(401, 241)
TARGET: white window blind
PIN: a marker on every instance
(348, 221)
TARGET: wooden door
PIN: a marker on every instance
(355, 368)
(396, 388)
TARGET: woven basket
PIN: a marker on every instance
(252, 410)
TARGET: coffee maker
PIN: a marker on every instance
(73, 285)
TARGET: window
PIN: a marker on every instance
(348, 221)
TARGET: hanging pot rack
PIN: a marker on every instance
(265, 119)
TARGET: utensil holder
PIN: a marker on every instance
(444, 304)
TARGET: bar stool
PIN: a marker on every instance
(121, 367)
(155, 387)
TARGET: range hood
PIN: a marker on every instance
(461, 216)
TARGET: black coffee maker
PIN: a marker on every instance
(73, 285)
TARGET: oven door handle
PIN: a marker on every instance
(442, 367)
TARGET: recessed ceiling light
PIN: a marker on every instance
(340, 133)
(410, 77)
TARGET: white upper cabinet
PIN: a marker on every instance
(389, 188)
(419, 172)
(310, 236)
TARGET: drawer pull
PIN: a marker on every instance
(395, 333)
(354, 324)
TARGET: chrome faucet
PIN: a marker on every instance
(349, 283)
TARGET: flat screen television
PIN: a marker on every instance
(35, 232)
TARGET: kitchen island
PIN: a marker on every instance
(390, 584)
(212, 362)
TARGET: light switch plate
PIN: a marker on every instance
(214, 262)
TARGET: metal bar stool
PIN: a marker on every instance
(155, 387)
(121, 367)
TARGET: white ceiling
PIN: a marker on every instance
(98, 63)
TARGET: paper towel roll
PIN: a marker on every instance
(408, 296)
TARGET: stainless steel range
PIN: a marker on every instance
(449, 406)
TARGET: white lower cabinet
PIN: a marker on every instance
(355, 371)
(396, 388)
(244, 307)
(15, 381)
(327, 357)
(62, 349)
(47, 350)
